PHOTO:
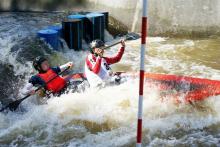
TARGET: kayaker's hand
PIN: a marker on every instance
(70, 64)
(110, 73)
(123, 43)
(101, 55)
(32, 92)
(100, 52)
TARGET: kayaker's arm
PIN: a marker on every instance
(30, 86)
(94, 64)
(117, 58)
(28, 89)
(65, 66)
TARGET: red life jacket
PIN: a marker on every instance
(56, 85)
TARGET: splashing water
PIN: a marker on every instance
(107, 117)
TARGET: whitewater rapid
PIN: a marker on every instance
(108, 118)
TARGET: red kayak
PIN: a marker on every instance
(193, 89)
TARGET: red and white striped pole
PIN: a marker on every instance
(141, 82)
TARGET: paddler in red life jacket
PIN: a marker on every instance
(97, 69)
(45, 74)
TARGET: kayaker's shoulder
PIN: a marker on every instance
(35, 80)
(56, 69)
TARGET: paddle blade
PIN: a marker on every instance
(132, 36)
(12, 106)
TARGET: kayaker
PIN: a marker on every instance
(46, 73)
(97, 69)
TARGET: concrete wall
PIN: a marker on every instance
(166, 17)
(40, 5)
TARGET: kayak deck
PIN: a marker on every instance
(194, 89)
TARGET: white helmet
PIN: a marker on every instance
(97, 44)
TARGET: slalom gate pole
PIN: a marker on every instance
(141, 82)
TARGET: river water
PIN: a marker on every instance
(108, 117)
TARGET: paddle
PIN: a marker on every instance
(128, 37)
(14, 105)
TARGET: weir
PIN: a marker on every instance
(75, 28)
(197, 18)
